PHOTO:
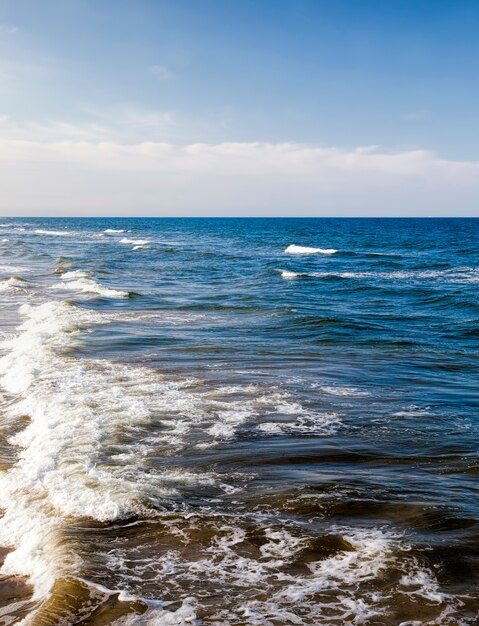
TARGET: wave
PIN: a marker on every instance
(141, 247)
(294, 249)
(114, 230)
(78, 280)
(56, 233)
(288, 274)
(14, 268)
(460, 275)
(136, 242)
(93, 427)
(80, 414)
(14, 284)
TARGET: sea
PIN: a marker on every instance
(239, 422)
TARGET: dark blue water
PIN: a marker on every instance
(211, 425)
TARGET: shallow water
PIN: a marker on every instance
(235, 422)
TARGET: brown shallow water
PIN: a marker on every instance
(286, 567)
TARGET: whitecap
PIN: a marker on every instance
(136, 242)
(56, 233)
(287, 274)
(294, 249)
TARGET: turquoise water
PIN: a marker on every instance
(239, 421)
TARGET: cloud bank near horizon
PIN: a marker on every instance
(65, 170)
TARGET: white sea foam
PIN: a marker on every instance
(80, 413)
(414, 411)
(460, 275)
(162, 318)
(308, 423)
(294, 249)
(224, 417)
(370, 554)
(185, 615)
(114, 230)
(422, 583)
(78, 280)
(258, 586)
(141, 247)
(337, 390)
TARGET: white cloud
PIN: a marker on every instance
(79, 175)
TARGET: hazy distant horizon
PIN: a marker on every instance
(238, 217)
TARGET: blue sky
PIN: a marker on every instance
(339, 75)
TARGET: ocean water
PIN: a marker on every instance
(239, 421)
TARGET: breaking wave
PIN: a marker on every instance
(92, 427)
(14, 284)
(78, 280)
